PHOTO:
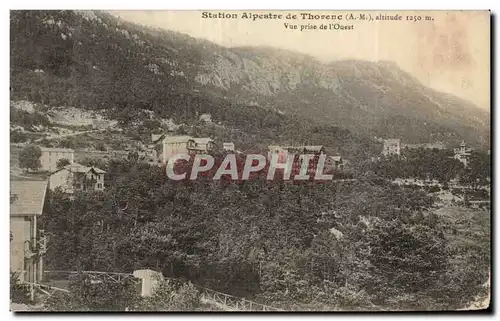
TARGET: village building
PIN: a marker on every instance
(284, 152)
(463, 154)
(50, 157)
(392, 147)
(150, 155)
(335, 163)
(308, 150)
(278, 150)
(413, 181)
(229, 146)
(156, 138)
(77, 177)
(201, 145)
(172, 145)
(176, 145)
(27, 241)
(207, 118)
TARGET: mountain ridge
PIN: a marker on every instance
(93, 60)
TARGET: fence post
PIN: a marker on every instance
(149, 279)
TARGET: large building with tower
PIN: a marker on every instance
(463, 154)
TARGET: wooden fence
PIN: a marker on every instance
(225, 301)
(233, 303)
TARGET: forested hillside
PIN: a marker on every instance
(363, 244)
(93, 60)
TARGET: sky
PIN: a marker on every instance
(451, 53)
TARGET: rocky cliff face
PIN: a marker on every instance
(370, 97)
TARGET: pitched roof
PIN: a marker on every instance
(177, 139)
(275, 148)
(297, 148)
(203, 140)
(79, 168)
(29, 197)
(60, 150)
(313, 148)
(156, 137)
(98, 170)
(306, 148)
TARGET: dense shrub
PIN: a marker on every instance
(172, 296)
(373, 242)
(90, 294)
(19, 292)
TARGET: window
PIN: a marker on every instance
(78, 185)
(99, 185)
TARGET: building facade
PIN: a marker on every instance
(200, 146)
(282, 153)
(50, 156)
(207, 118)
(28, 242)
(150, 155)
(392, 147)
(335, 163)
(176, 145)
(229, 146)
(463, 154)
(77, 177)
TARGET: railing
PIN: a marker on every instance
(99, 275)
(89, 272)
(227, 301)
(232, 302)
(45, 288)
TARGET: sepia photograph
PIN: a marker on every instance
(250, 161)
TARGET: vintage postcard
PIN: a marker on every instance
(250, 160)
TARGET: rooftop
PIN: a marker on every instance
(156, 137)
(79, 168)
(310, 148)
(59, 150)
(177, 139)
(29, 197)
(203, 140)
(305, 148)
